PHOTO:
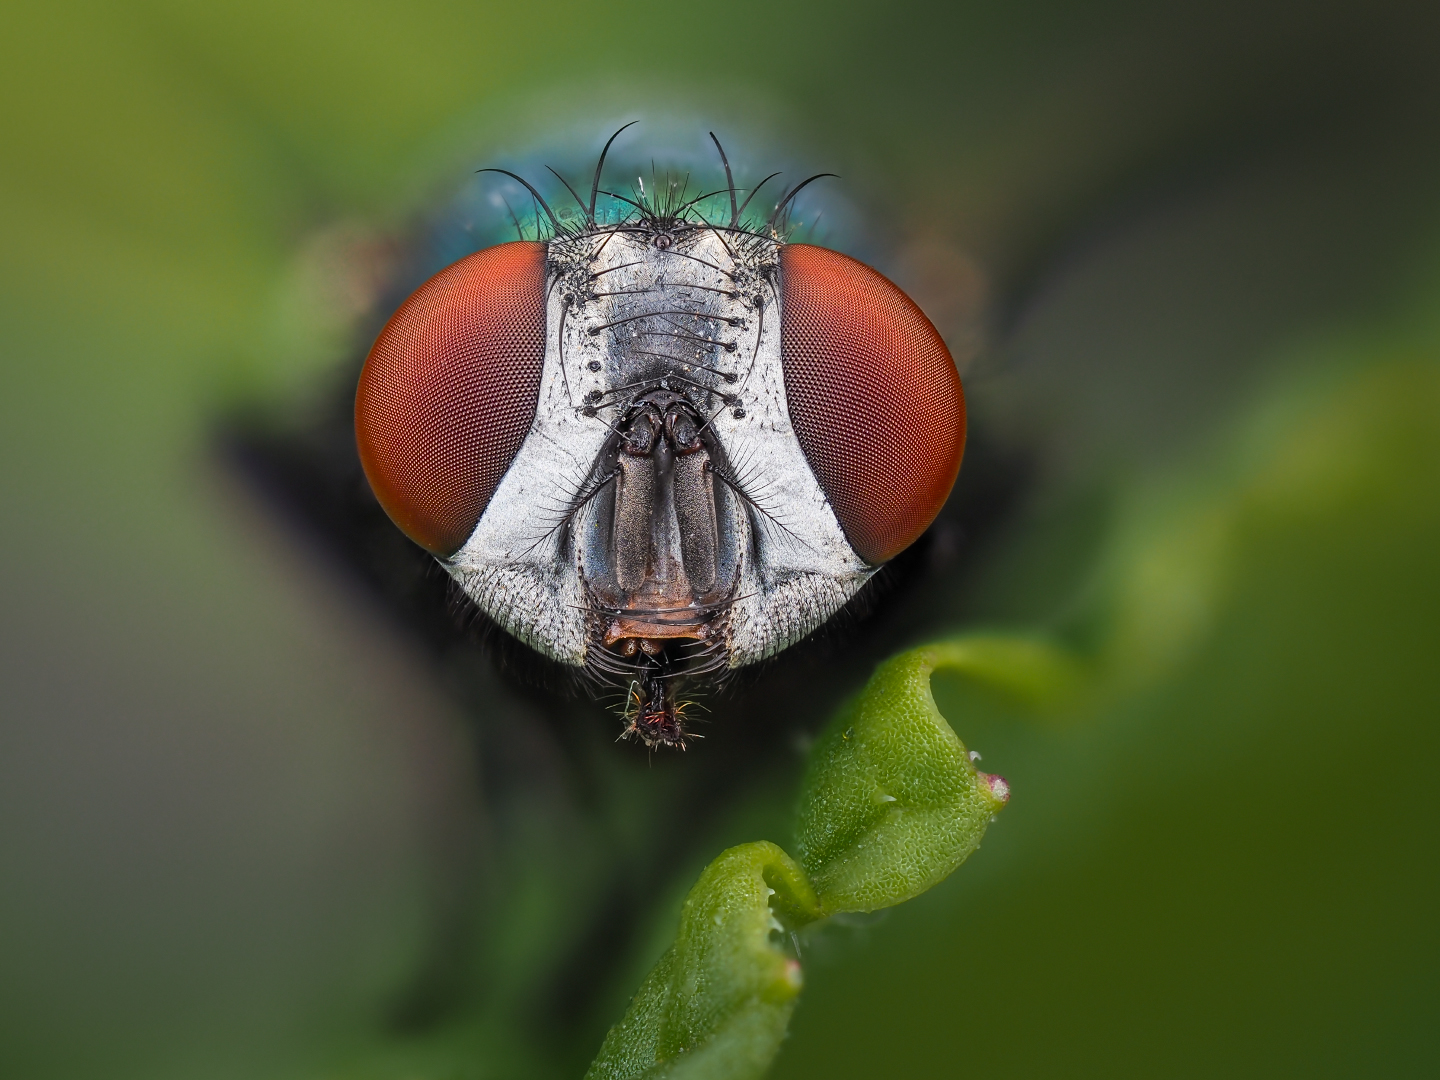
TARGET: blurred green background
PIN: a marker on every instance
(1189, 256)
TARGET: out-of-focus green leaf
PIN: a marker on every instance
(891, 802)
(718, 1002)
(1029, 669)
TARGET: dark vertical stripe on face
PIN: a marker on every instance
(695, 512)
(634, 504)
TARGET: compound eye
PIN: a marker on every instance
(873, 396)
(449, 390)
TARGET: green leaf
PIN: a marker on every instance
(891, 805)
(717, 1003)
(891, 802)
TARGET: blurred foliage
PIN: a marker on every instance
(237, 810)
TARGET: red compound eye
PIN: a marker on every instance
(449, 391)
(874, 398)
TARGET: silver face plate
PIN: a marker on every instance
(633, 311)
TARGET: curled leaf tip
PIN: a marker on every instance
(999, 789)
(892, 801)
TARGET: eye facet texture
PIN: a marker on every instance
(448, 392)
(873, 395)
